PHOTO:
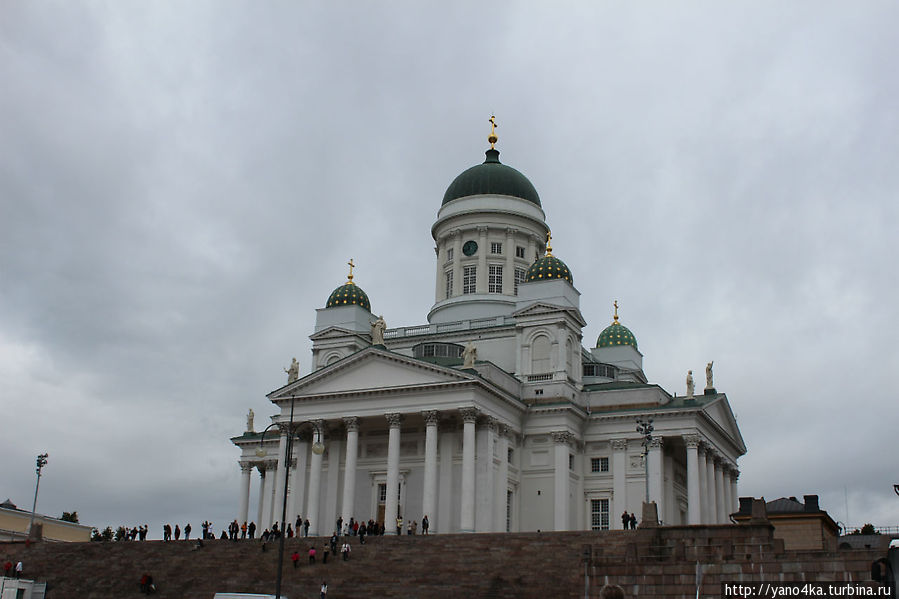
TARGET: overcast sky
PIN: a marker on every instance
(182, 183)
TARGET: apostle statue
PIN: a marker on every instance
(469, 355)
(250, 416)
(377, 331)
(708, 376)
(293, 373)
(689, 383)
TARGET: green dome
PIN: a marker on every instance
(548, 267)
(491, 177)
(347, 294)
(616, 334)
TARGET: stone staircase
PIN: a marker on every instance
(651, 562)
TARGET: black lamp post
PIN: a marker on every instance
(41, 462)
(317, 448)
(645, 428)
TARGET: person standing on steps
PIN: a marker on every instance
(295, 558)
(345, 550)
(625, 520)
(324, 590)
(424, 525)
(399, 525)
(187, 532)
(251, 529)
(306, 527)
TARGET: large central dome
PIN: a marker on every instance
(491, 178)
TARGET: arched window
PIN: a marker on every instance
(541, 347)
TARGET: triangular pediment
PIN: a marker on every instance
(333, 333)
(538, 309)
(370, 369)
(719, 412)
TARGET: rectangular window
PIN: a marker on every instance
(382, 493)
(510, 455)
(520, 274)
(508, 511)
(449, 284)
(495, 280)
(519, 252)
(469, 279)
(599, 464)
(599, 514)
(571, 461)
(449, 253)
(496, 248)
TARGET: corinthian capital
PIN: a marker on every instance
(351, 423)
(692, 441)
(562, 437)
(431, 417)
(469, 414)
(394, 420)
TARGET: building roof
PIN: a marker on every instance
(491, 178)
(348, 294)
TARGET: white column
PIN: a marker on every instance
(509, 273)
(719, 489)
(694, 507)
(329, 518)
(655, 475)
(469, 416)
(393, 472)
(243, 512)
(728, 501)
(277, 507)
(481, 286)
(429, 492)
(561, 478)
(349, 471)
(734, 497)
(261, 503)
(315, 483)
(457, 261)
(297, 506)
(502, 480)
(484, 490)
(444, 520)
(710, 486)
(440, 288)
(619, 480)
(267, 494)
(703, 485)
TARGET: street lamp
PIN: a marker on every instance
(645, 428)
(41, 462)
(318, 448)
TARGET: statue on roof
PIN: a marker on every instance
(708, 376)
(377, 331)
(690, 387)
(293, 373)
(469, 355)
(250, 416)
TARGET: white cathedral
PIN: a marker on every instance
(493, 416)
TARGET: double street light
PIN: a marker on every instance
(41, 462)
(645, 428)
(318, 448)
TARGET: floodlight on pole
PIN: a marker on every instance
(645, 428)
(41, 462)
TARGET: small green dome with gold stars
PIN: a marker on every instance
(349, 294)
(616, 334)
(548, 267)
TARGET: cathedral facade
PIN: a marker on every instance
(493, 416)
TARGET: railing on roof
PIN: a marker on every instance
(540, 377)
(448, 327)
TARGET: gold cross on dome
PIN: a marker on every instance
(350, 277)
(549, 242)
(615, 303)
(492, 138)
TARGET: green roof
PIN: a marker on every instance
(616, 334)
(549, 267)
(347, 295)
(491, 177)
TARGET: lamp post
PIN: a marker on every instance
(41, 462)
(645, 428)
(318, 448)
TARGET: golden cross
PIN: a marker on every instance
(615, 303)
(350, 278)
(549, 241)
(492, 138)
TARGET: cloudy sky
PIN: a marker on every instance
(181, 185)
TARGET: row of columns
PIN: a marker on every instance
(711, 483)
(491, 502)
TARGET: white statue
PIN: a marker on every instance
(469, 355)
(689, 383)
(708, 376)
(293, 373)
(250, 416)
(377, 331)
